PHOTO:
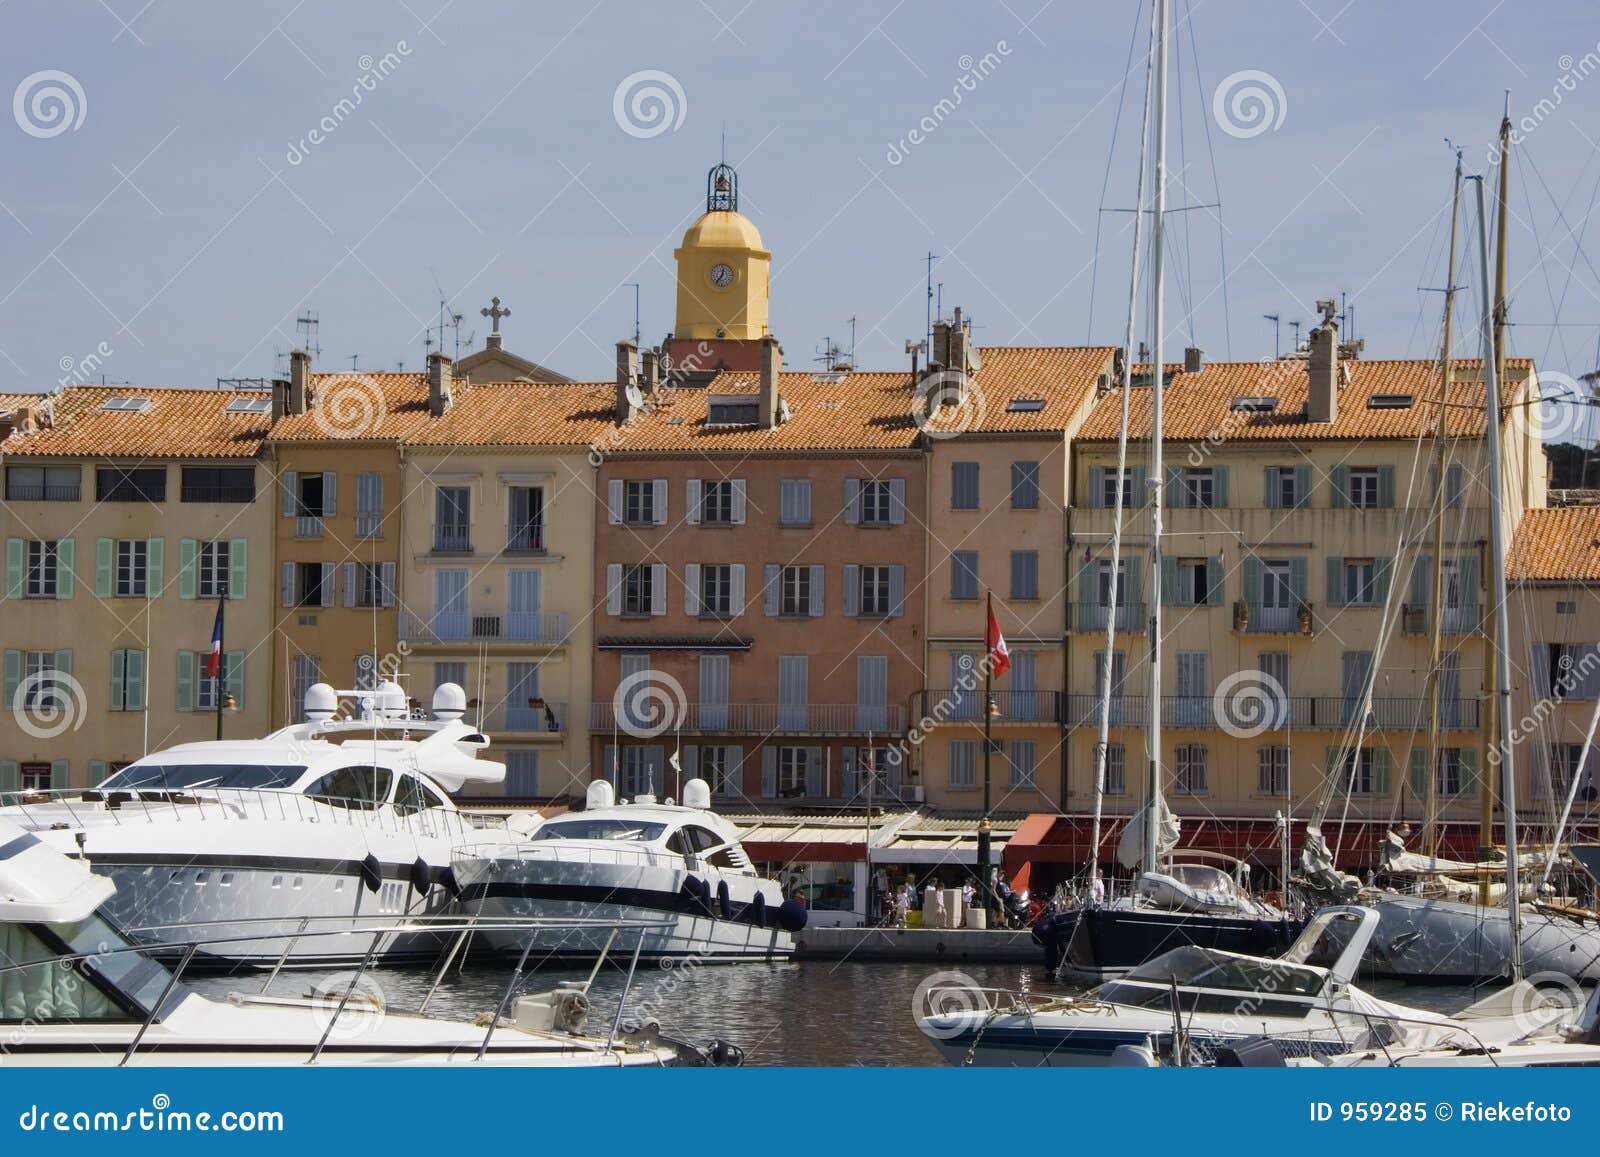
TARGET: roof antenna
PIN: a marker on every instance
(1276, 349)
(309, 324)
(635, 286)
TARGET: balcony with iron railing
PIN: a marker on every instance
(758, 719)
(452, 539)
(1461, 620)
(1257, 618)
(1331, 712)
(493, 627)
(533, 719)
(308, 526)
(1012, 708)
(527, 539)
(33, 492)
(1092, 617)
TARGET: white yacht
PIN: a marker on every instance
(75, 993)
(1191, 1003)
(245, 845)
(633, 861)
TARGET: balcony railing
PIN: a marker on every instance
(526, 538)
(30, 492)
(548, 718)
(1260, 619)
(452, 539)
(216, 492)
(1462, 620)
(1092, 617)
(498, 626)
(369, 525)
(1297, 711)
(1015, 707)
(760, 719)
(308, 526)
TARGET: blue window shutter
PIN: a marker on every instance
(897, 591)
(852, 589)
(814, 771)
(1421, 582)
(59, 775)
(98, 770)
(1341, 486)
(1219, 476)
(818, 579)
(1382, 569)
(771, 590)
(1176, 498)
(1132, 578)
(852, 501)
(1269, 487)
(1297, 577)
(1454, 481)
(13, 678)
(1335, 581)
(10, 775)
(136, 662)
(1097, 487)
(1140, 493)
(897, 501)
(1419, 771)
(1302, 487)
(288, 485)
(1386, 486)
(1252, 579)
(769, 772)
(1215, 582)
(1169, 580)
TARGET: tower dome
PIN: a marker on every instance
(723, 269)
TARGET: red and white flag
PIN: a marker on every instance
(995, 642)
(214, 658)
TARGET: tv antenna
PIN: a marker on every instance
(309, 326)
(1277, 350)
(928, 324)
(1294, 327)
(634, 285)
(354, 358)
(831, 356)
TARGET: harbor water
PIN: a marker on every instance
(800, 1013)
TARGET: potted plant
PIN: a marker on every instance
(1241, 616)
(1304, 616)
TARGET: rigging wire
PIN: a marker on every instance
(1105, 182)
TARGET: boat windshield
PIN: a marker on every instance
(109, 983)
(1194, 967)
(633, 831)
(189, 776)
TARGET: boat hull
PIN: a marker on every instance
(1444, 942)
(1107, 942)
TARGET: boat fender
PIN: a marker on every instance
(724, 901)
(371, 872)
(691, 891)
(447, 878)
(421, 876)
(725, 1054)
(757, 911)
(705, 897)
(791, 915)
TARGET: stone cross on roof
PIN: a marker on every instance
(494, 313)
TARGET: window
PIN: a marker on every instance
(963, 486)
(1357, 771)
(452, 672)
(1109, 485)
(716, 503)
(1196, 579)
(522, 775)
(794, 592)
(35, 777)
(1360, 582)
(310, 495)
(791, 771)
(1363, 487)
(308, 590)
(639, 502)
(874, 590)
(1449, 780)
(1564, 761)
(132, 575)
(1103, 584)
(369, 504)
(213, 560)
(716, 590)
(1190, 772)
(127, 680)
(1023, 759)
(1287, 486)
(307, 670)
(963, 763)
(794, 502)
(131, 484)
(452, 521)
(1024, 574)
(963, 574)
(43, 570)
(411, 795)
(41, 689)
(207, 688)
(1024, 486)
(717, 767)
(218, 484)
(1567, 671)
(635, 776)
(638, 589)
(733, 413)
(368, 588)
(43, 483)
(1116, 769)
(356, 788)
(1277, 585)
(877, 503)
(1272, 770)
(1197, 488)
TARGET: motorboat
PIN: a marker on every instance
(1188, 1004)
(632, 860)
(77, 993)
(253, 842)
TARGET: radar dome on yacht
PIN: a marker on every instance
(697, 794)
(322, 702)
(599, 795)
(390, 696)
(449, 701)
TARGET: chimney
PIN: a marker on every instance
(1193, 360)
(441, 383)
(767, 412)
(650, 372)
(280, 397)
(627, 381)
(299, 382)
(1322, 367)
(939, 355)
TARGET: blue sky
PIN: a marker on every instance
(172, 237)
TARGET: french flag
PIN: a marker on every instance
(214, 659)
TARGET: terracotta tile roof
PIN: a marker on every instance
(1556, 544)
(1199, 406)
(358, 407)
(523, 414)
(1062, 377)
(179, 424)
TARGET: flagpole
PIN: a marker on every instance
(985, 891)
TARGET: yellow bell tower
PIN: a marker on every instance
(723, 272)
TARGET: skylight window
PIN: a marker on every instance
(250, 406)
(126, 405)
(1254, 404)
(1025, 405)
(1390, 402)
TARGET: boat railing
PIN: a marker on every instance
(92, 806)
(459, 929)
(621, 852)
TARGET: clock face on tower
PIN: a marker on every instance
(722, 276)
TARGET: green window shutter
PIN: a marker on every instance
(1335, 581)
(238, 567)
(1169, 580)
(10, 775)
(136, 662)
(98, 770)
(1386, 486)
(65, 555)
(1269, 487)
(235, 678)
(13, 678)
(64, 662)
(187, 579)
(155, 567)
(59, 774)
(1419, 772)
(1252, 579)
(1302, 487)
(119, 678)
(1382, 769)
(1132, 576)
(1297, 577)
(1216, 582)
(185, 680)
(1382, 570)
(1341, 486)
(15, 567)
(105, 550)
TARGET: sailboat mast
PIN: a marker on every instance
(1102, 751)
(1497, 550)
(1441, 437)
(1157, 470)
